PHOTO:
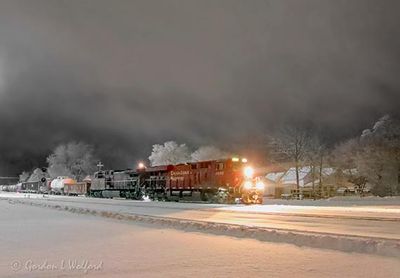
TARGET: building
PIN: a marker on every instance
(282, 184)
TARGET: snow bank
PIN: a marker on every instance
(366, 199)
(339, 201)
(310, 239)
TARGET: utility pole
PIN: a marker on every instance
(320, 169)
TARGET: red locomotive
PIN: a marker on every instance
(221, 181)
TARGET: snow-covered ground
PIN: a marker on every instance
(340, 201)
(43, 242)
(369, 229)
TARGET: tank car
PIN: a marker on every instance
(58, 184)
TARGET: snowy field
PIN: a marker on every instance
(43, 242)
(372, 229)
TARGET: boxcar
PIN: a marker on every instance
(30, 186)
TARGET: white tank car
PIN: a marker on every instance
(57, 185)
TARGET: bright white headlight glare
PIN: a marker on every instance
(248, 172)
(260, 185)
(248, 185)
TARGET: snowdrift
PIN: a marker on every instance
(378, 246)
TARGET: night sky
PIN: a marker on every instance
(124, 75)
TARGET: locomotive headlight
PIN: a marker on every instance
(248, 172)
(260, 185)
(248, 185)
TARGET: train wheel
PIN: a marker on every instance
(165, 197)
(222, 196)
(138, 195)
(203, 196)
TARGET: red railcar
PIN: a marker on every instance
(77, 188)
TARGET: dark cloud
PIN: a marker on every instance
(124, 75)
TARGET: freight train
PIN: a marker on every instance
(220, 181)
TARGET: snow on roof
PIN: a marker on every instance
(274, 176)
(289, 177)
(353, 171)
(327, 171)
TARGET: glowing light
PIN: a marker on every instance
(248, 185)
(235, 159)
(141, 165)
(244, 160)
(248, 172)
(260, 185)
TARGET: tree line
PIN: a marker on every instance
(372, 158)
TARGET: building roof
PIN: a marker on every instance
(289, 176)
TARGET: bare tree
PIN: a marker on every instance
(292, 142)
(73, 159)
(314, 154)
